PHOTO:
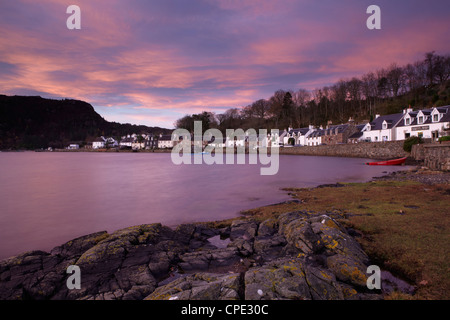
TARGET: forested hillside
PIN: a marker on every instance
(35, 122)
(422, 84)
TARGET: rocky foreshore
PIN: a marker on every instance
(297, 255)
(418, 174)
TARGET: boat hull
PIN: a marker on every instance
(394, 162)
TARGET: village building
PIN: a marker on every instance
(427, 123)
(218, 143)
(338, 134)
(151, 142)
(99, 143)
(111, 142)
(165, 141)
(296, 136)
(135, 145)
(382, 128)
(126, 142)
(358, 135)
(73, 146)
(315, 138)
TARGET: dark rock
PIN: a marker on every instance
(298, 255)
(77, 246)
(208, 260)
(200, 286)
(245, 230)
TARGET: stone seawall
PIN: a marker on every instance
(373, 150)
(434, 156)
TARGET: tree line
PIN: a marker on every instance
(423, 83)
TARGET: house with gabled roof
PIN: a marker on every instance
(99, 143)
(165, 141)
(299, 135)
(126, 142)
(357, 136)
(382, 128)
(427, 123)
(338, 134)
(315, 137)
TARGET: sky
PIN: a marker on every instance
(151, 62)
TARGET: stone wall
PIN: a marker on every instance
(434, 156)
(373, 150)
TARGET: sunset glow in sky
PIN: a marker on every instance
(152, 62)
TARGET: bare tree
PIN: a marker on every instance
(395, 78)
(442, 68)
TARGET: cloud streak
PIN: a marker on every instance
(150, 62)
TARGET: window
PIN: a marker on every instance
(420, 120)
(407, 121)
(384, 125)
(436, 118)
(407, 135)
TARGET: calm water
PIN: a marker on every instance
(47, 199)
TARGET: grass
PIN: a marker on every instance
(405, 227)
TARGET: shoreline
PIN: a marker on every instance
(290, 151)
(243, 245)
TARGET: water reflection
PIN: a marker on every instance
(49, 198)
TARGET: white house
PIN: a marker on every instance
(126, 143)
(111, 142)
(234, 142)
(314, 138)
(358, 135)
(165, 141)
(299, 135)
(427, 123)
(382, 128)
(99, 143)
(137, 145)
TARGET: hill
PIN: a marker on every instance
(33, 122)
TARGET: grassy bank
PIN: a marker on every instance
(404, 227)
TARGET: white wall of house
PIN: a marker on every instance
(165, 144)
(313, 141)
(137, 145)
(425, 130)
(378, 135)
(235, 142)
(126, 144)
(98, 144)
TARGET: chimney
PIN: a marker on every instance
(329, 123)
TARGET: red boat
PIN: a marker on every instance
(393, 162)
